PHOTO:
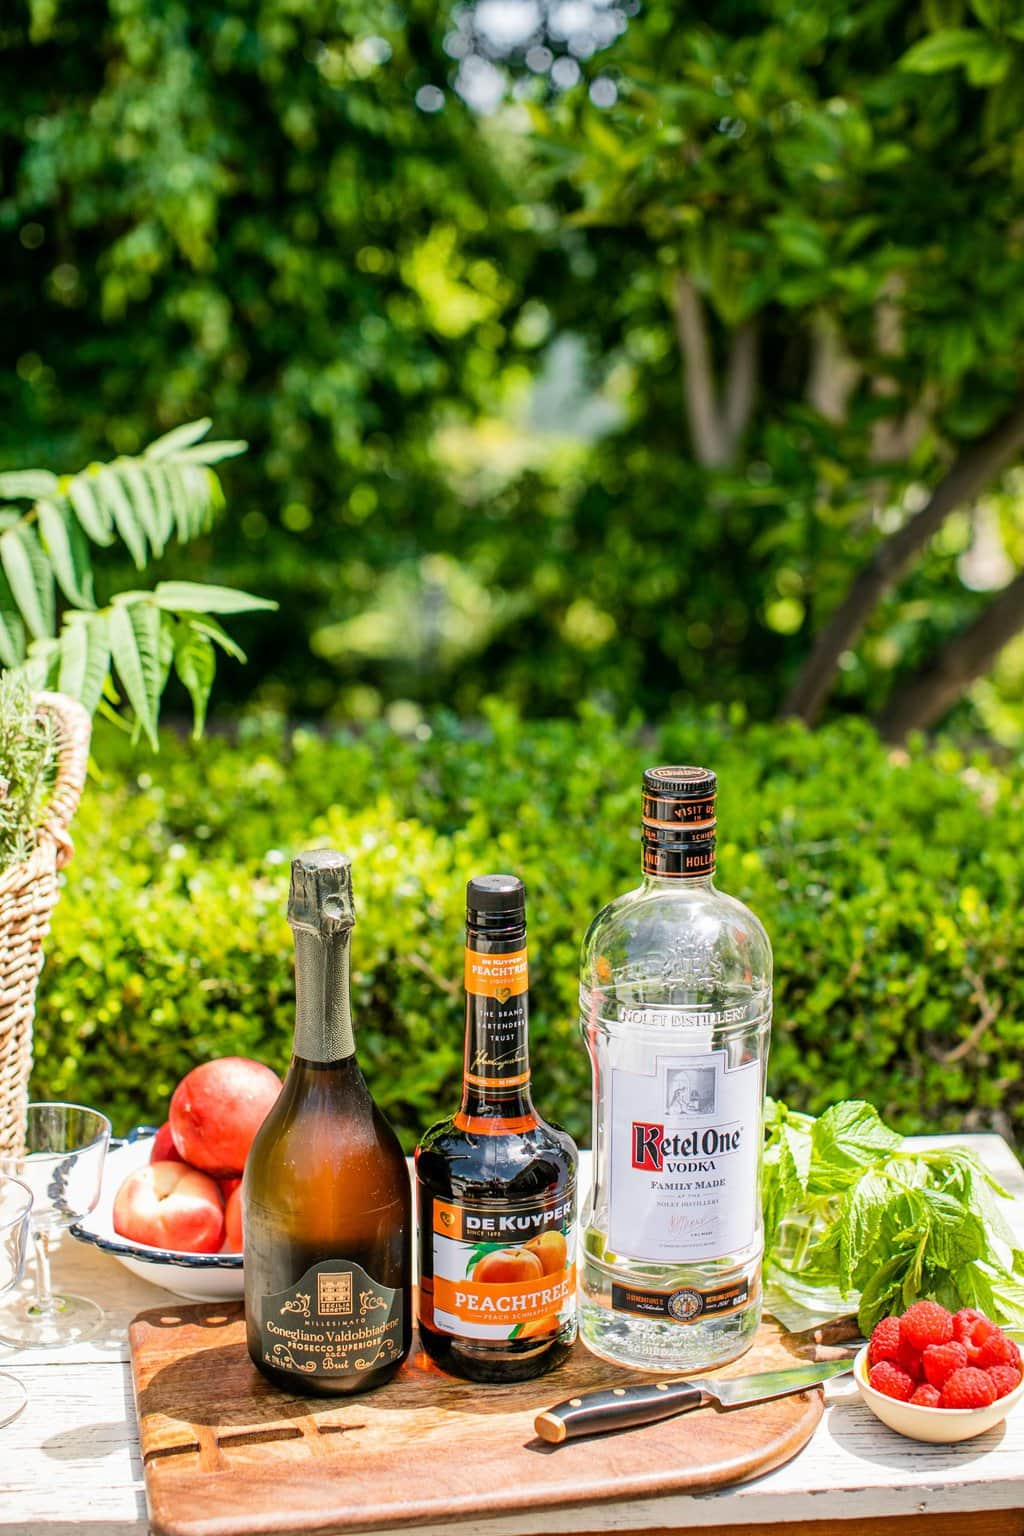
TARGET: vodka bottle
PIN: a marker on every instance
(675, 1005)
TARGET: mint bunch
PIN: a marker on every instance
(883, 1220)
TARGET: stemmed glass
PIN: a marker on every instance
(62, 1164)
(15, 1210)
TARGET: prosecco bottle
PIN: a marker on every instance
(497, 1184)
(326, 1193)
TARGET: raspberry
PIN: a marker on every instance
(1005, 1378)
(885, 1341)
(888, 1378)
(941, 1360)
(997, 1349)
(926, 1323)
(964, 1321)
(909, 1360)
(980, 1331)
(927, 1396)
(968, 1389)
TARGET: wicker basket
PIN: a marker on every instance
(27, 896)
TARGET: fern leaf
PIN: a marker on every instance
(135, 647)
(65, 544)
(211, 453)
(195, 662)
(196, 597)
(147, 512)
(39, 664)
(181, 437)
(28, 484)
(31, 579)
(12, 630)
(114, 497)
(84, 657)
(90, 511)
(158, 481)
(219, 636)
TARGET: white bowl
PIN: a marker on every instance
(941, 1426)
(197, 1276)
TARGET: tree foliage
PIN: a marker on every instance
(811, 218)
(789, 251)
(171, 490)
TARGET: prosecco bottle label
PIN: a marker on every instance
(335, 1321)
(506, 1271)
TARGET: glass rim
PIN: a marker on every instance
(26, 1210)
(103, 1133)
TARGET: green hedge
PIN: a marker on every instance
(890, 887)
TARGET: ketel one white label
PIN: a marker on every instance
(684, 1150)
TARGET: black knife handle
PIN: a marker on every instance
(592, 1413)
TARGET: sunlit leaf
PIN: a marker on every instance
(65, 544)
(181, 437)
(195, 597)
(135, 647)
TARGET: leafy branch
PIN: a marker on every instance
(885, 1222)
(170, 491)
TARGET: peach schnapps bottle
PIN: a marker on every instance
(496, 1182)
(675, 1008)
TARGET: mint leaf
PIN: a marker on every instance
(879, 1296)
(845, 1140)
(859, 1223)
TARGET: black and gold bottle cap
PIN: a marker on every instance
(679, 821)
(320, 898)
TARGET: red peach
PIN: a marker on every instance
(217, 1109)
(163, 1149)
(169, 1205)
(228, 1187)
(233, 1221)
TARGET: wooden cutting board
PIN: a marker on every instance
(226, 1454)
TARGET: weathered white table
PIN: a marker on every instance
(70, 1463)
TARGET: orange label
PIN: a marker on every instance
(497, 976)
(476, 1301)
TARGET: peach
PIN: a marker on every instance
(508, 1266)
(227, 1187)
(169, 1205)
(550, 1249)
(539, 1327)
(163, 1149)
(233, 1220)
(217, 1109)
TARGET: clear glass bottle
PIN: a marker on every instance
(675, 1008)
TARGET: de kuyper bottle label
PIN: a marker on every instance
(507, 1271)
(684, 1158)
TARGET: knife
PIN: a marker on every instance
(611, 1408)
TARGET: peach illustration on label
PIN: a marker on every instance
(508, 1266)
(550, 1249)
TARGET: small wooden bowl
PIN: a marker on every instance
(940, 1426)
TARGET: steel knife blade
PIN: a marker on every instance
(611, 1408)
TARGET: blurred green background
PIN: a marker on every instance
(586, 350)
(618, 375)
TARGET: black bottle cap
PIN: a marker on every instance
(320, 898)
(679, 821)
(687, 783)
(495, 895)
